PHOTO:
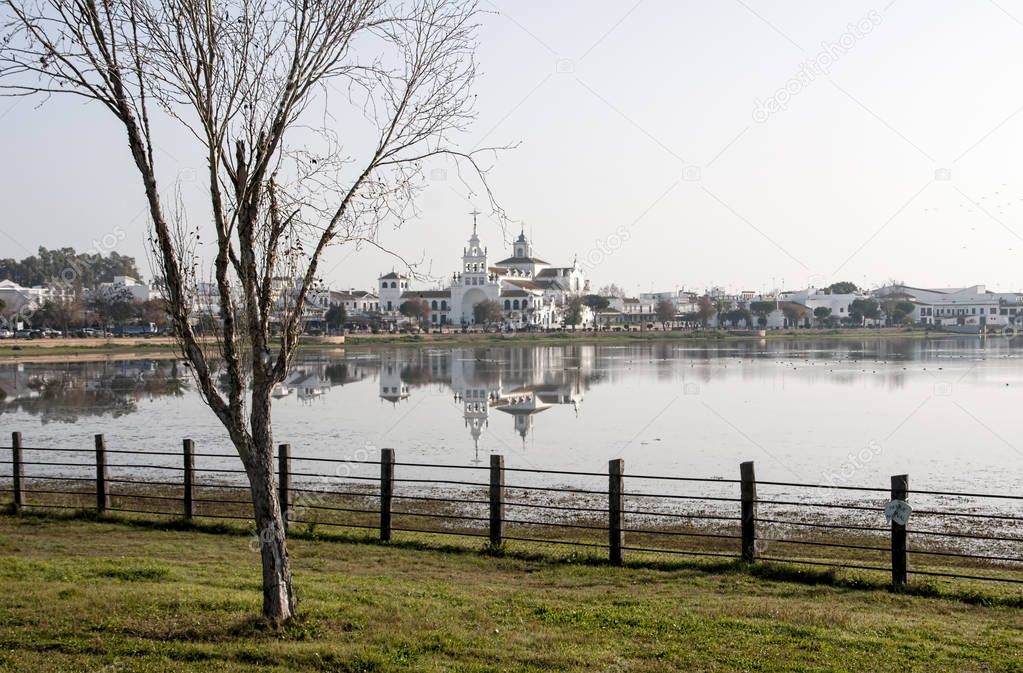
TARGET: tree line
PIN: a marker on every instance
(67, 267)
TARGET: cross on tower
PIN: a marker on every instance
(474, 213)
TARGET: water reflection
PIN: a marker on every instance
(520, 382)
(942, 409)
(67, 392)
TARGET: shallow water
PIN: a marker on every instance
(841, 412)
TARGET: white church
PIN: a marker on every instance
(531, 291)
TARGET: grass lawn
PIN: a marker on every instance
(96, 596)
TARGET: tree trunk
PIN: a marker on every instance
(278, 596)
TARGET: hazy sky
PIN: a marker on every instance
(656, 146)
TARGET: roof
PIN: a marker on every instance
(346, 294)
(426, 294)
(525, 284)
(514, 293)
(547, 273)
(392, 276)
(521, 260)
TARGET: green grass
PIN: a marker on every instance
(100, 596)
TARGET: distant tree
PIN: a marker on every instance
(487, 312)
(738, 316)
(665, 311)
(111, 306)
(902, 312)
(794, 312)
(864, 308)
(67, 268)
(336, 317)
(155, 311)
(842, 287)
(374, 319)
(597, 303)
(57, 314)
(612, 290)
(574, 310)
(761, 309)
(822, 314)
(415, 309)
(896, 307)
(705, 310)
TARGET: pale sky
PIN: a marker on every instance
(646, 131)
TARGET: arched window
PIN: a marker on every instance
(433, 306)
(507, 305)
(515, 304)
(393, 284)
(443, 305)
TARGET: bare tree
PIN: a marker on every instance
(249, 80)
(665, 311)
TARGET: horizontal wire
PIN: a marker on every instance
(964, 555)
(441, 532)
(995, 538)
(840, 545)
(835, 526)
(966, 577)
(561, 542)
(822, 563)
(824, 486)
(681, 551)
(643, 531)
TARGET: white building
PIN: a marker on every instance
(21, 302)
(839, 306)
(973, 306)
(138, 291)
(357, 303)
(530, 291)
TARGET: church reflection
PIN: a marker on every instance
(518, 382)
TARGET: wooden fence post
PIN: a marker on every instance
(748, 498)
(284, 484)
(616, 503)
(496, 500)
(102, 486)
(17, 472)
(900, 560)
(188, 446)
(386, 492)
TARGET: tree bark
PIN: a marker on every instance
(278, 596)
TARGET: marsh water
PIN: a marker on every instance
(946, 411)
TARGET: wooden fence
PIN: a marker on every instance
(961, 535)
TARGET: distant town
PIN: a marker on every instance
(65, 293)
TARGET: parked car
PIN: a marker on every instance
(5, 333)
(52, 333)
(23, 334)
